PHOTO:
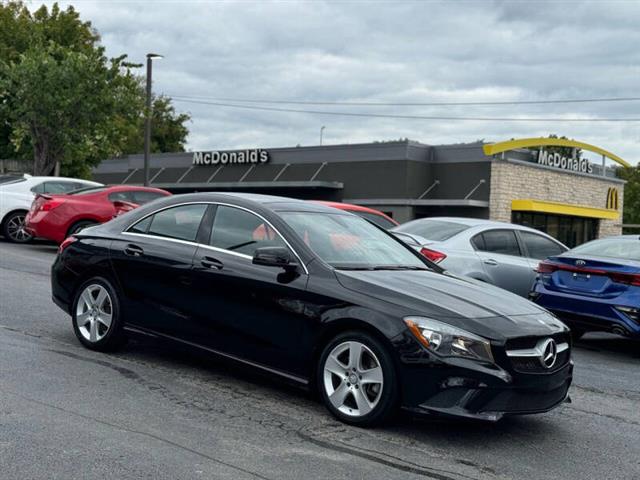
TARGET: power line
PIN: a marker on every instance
(407, 117)
(413, 104)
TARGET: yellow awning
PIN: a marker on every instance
(528, 205)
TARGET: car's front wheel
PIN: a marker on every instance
(357, 379)
(96, 315)
(13, 228)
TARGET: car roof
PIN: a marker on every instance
(270, 202)
(620, 237)
(471, 222)
(50, 179)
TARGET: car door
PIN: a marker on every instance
(250, 311)
(539, 247)
(503, 260)
(153, 262)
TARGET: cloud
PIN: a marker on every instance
(385, 51)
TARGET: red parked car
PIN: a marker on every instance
(375, 216)
(55, 217)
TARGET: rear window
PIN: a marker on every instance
(436, 230)
(11, 179)
(628, 249)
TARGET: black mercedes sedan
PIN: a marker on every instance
(318, 297)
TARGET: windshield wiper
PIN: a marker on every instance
(341, 267)
(399, 267)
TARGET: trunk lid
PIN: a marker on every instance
(601, 277)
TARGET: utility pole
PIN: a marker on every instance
(147, 120)
(321, 130)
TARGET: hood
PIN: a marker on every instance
(460, 301)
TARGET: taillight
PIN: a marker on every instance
(433, 255)
(67, 241)
(547, 267)
(51, 204)
(627, 278)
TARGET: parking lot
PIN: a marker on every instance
(154, 411)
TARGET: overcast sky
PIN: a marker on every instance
(413, 51)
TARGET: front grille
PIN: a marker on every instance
(529, 361)
(533, 365)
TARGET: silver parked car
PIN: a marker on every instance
(503, 254)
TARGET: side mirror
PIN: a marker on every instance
(274, 257)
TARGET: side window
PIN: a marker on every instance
(38, 188)
(142, 226)
(242, 232)
(478, 242)
(540, 247)
(180, 222)
(141, 197)
(121, 196)
(500, 241)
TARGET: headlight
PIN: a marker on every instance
(449, 341)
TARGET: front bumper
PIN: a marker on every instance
(463, 388)
(492, 404)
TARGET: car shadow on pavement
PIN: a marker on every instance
(610, 344)
(206, 369)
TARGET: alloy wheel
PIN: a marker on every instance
(94, 313)
(353, 378)
(16, 229)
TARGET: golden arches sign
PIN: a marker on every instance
(499, 147)
(612, 198)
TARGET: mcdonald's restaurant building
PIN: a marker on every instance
(525, 181)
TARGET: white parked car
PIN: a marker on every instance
(17, 194)
(502, 254)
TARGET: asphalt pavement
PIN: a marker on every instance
(156, 411)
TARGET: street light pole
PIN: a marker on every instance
(321, 130)
(147, 120)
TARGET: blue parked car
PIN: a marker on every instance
(594, 287)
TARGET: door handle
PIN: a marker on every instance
(490, 261)
(210, 262)
(133, 250)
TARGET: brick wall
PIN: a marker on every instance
(511, 181)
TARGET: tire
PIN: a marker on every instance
(97, 319)
(342, 389)
(79, 226)
(13, 228)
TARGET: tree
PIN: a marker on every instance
(631, 215)
(62, 101)
(563, 151)
(168, 130)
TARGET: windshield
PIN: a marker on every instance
(436, 230)
(351, 242)
(628, 249)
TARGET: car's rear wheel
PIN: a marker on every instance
(357, 379)
(13, 228)
(96, 315)
(79, 226)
